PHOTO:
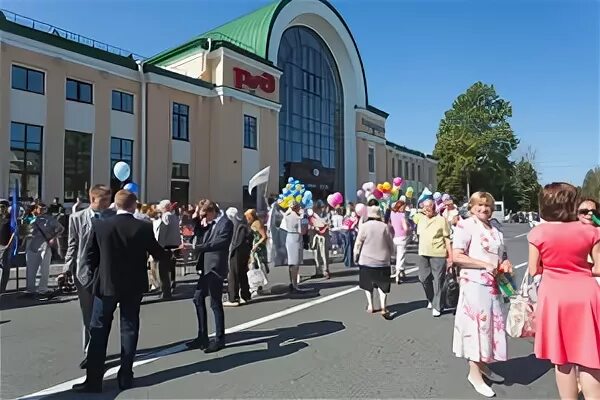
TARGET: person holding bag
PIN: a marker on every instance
(567, 315)
(479, 334)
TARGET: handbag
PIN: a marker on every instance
(451, 289)
(256, 278)
(520, 322)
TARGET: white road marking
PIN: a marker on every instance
(62, 387)
(520, 265)
(521, 235)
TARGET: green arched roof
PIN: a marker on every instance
(249, 35)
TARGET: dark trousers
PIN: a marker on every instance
(349, 238)
(237, 279)
(432, 271)
(86, 303)
(210, 285)
(100, 325)
(166, 273)
(5, 266)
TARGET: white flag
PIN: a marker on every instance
(258, 179)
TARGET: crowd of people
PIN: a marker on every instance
(118, 252)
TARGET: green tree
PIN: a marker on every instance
(591, 184)
(526, 185)
(474, 142)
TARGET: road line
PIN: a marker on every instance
(521, 235)
(65, 386)
(520, 265)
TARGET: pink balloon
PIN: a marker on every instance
(397, 181)
(331, 200)
(360, 193)
(378, 194)
(338, 199)
(361, 209)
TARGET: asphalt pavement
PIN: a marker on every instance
(317, 345)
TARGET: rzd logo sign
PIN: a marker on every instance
(243, 78)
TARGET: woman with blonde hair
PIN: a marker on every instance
(479, 334)
(567, 315)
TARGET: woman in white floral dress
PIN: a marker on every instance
(479, 334)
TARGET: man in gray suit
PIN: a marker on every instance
(80, 227)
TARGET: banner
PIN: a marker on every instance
(258, 179)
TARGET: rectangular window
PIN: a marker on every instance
(79, 91)
(180, 127)
(27, 79)
(180, 192)
(77, 165)
(180, 171)
(26, 159)
(406, 171)
(393, 167)
(419, 173)
(120, 150)
(400, 168)
(250, 134)
(122, 101)
(371, 160)
(412, 171)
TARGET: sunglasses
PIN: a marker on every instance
(585, 211)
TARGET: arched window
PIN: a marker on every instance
(311, 146)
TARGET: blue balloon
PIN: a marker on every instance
(307, 195)
(121, 171)
(309, 204)
(290, 179)
(132, 187)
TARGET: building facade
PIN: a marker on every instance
(283, 87)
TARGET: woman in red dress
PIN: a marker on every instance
(568, 308)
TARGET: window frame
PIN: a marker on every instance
(79, 84)
(182, 177)
(113, 161)
(121, 95)
(25, 173)
(371, 159)
(248, 121)
(27, 70)
(180, 115)
(91, 150)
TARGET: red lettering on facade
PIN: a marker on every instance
(243, 78)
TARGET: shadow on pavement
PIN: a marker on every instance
(16, 300)
(400, 309)
(521, 370)
(280, 342)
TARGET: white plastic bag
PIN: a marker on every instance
(256, 278)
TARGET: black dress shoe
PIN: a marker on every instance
(213, 347)
(87, 387)
(83, 363)
(197, 344)
(125, 382)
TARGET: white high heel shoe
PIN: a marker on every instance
(481, 388)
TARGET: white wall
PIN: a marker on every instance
(80, 117)
(181, 152)
(27, 107)
(123, 125)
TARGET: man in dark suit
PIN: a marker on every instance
(117, 260)
(214, 234)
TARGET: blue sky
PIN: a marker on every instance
(542, 56)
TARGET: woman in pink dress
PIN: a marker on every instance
(568, 307)
(479, 334)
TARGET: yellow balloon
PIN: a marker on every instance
(288, 186)
(298, 199)
(387, 186)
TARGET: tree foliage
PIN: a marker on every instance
(526, 185)
(474, 142)
(591, 184)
